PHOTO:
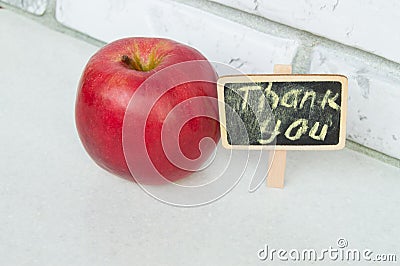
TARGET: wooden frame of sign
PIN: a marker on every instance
(310, 113)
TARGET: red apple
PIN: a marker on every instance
(106, 87)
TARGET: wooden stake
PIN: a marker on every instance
(276, 174)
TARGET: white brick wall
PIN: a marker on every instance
(373, 117)
(370, 25)
(217, 38)
(37, 7)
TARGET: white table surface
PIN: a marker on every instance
(58, 208)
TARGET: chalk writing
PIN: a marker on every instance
(288, 113)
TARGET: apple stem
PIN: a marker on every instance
(127, 61)
(135, 63)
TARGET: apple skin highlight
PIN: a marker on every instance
(106, 87)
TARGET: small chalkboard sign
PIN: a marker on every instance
(283, 112)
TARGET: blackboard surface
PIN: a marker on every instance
(286, 112)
